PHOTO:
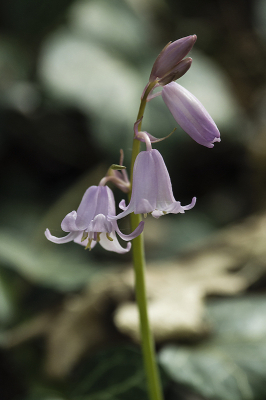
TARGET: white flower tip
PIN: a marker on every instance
(47, 233)
(211, 145)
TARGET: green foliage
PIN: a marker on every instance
(113, 374)
(232, 363)
(63, 271)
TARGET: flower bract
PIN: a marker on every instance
(91, 223)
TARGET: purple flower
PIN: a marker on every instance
(170, 56)
(91, 223)
(152, 189)
(190, 114)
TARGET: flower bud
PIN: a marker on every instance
(190, 114)
(171, 55)
(180, 69)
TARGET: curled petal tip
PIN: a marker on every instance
(191, 205)
(65, 239)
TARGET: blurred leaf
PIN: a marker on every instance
(106, 88)
(38, 17)
(176, 293)
(43, 393)
(97, 19)
(169, 236)
(6, 300)
(56, 269)
(41, 396)
(14, 63)
(113, 374)
(232, 363)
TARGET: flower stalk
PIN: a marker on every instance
(138, 254)
(136, 142)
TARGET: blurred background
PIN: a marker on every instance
(71, 76)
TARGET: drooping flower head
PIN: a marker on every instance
(152, 189)
(190, 114)
(91, 223)
(187, 110)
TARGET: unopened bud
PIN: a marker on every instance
(180, 69)
(170, 56)
(190, 114)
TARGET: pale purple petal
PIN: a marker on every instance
(87, 208)
(65, 239)
(132, 235)
(144, 183)
(190, 114)
(176, 207)
(143, 206)
(113, 245)
(100, 224)
(109, 198)
(122, 204)
(164, 186)
(96, 200)
(69, 222)
(191, 205)
(157, 214)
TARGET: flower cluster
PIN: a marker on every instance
(151, 193)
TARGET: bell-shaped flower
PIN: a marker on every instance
(91, 222)
(170, 56)
(152, 189)
(190, 114)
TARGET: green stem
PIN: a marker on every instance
(148, 348)
(136, 143)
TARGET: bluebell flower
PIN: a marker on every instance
(190, 114)
(151, 188)
(91, 222)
